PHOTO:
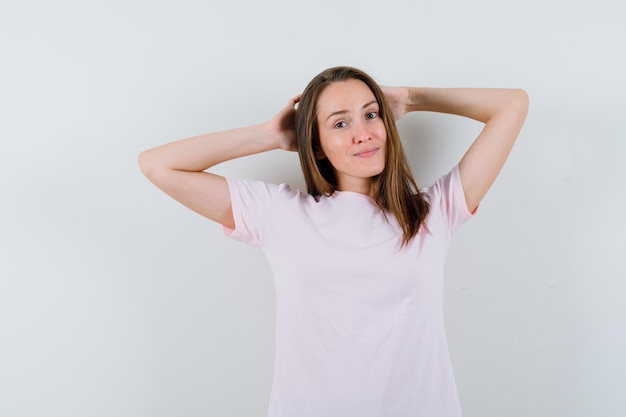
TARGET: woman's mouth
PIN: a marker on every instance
(366, 153)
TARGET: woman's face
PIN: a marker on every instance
(352, 134)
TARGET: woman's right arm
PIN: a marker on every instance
(178, 168)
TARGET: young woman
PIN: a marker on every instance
(358, 260)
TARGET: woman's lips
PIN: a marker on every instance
(366, 153)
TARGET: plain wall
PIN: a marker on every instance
(117, 301)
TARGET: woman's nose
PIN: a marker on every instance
(360, 133)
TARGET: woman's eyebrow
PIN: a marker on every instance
(338, 112)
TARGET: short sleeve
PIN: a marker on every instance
(447, 197)
(251, 203)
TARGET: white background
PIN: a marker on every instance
(117, 301)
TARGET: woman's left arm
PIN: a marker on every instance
(503, 112)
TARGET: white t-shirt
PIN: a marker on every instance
(359, 326)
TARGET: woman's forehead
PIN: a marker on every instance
(344, 95)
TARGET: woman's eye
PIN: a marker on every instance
(372, 115)
(339, 125)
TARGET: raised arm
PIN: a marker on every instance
(178, 168)
(503, 112)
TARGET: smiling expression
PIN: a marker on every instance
(352, 134)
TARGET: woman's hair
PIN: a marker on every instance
(394, 189)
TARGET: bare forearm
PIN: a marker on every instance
(476, 103)
(204, 151)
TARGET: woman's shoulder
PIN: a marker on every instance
(261, 190)
(443, 183)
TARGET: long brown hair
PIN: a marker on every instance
(394, 190)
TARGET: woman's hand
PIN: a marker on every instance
(282, 126)
(398, 100)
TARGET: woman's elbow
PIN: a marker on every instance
(148, 164)
(520, 100)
